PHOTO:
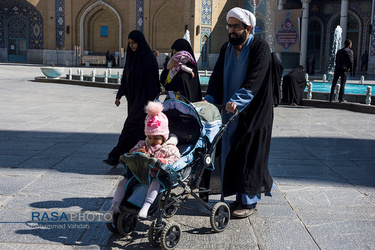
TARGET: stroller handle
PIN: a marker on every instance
(222, 130)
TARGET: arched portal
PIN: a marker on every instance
(352, 33)
(205, 49)
(17, 39)
(314, 41)
(100, 28)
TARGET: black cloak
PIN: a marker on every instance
(293, 85)
(277, 71)
(246, 166)
(139, 84)
(182, 82)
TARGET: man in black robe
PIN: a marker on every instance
(294, 84)
(242, 79)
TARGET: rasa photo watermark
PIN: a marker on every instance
(71, 217)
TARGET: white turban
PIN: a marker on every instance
(243, 15)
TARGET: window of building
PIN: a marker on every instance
(103, 30)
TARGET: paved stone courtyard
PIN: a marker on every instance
(54, 136)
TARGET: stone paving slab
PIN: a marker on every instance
(275, 233)
(325, 196)
(69, 187)
(330, 234)
(12, 246)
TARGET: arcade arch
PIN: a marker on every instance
(91, 37)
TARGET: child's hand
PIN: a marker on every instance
(192, 74)
(142, 150)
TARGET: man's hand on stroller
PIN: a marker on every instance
(230, 107)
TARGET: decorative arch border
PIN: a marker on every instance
(159, 12)
(328, 36)
(329, 24)
(320, 21)
(89, 9)
(28, 12)
(357, 53)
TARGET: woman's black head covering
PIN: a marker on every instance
(182, 44)
(140, 84)
(143, 54)
(140, 78)
(183, 82)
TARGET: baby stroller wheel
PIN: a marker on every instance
(171, 207)
(220, 216)
(126, 223)
(113, 226)
(170, 236)
(154, 234)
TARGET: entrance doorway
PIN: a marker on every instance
(205, 50)
(17, 40)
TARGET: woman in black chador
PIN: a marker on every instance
(293, 86)
(139, 84)
(183, 82)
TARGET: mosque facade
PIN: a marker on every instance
(72, 32)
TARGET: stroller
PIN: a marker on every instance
(198, 128)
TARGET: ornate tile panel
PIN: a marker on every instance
(140, 14)
(206, 16)
(60, 23)
(28, 12)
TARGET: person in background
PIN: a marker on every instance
(364, 60)
(182, 58)
(242, 79)
(166, 60)
(294, 84)
(139, 84)
(183, 82)
(311, 65)
(344, 65)
(156, 53)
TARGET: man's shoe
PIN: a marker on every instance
(111, 162)
(343, 100)
(234, 205)
(243, 212)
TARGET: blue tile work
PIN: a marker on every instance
(28, 12)
(372, 49)
(60, 23)
(325, 10)
(257, 6)
(140, 13)
(206, 15)
(2, 30)
(205, 31)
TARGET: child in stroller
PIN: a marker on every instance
(159, 144)
(198, 128)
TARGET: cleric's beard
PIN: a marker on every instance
(239, 39)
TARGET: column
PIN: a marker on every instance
(304, 31)
(280, 6)
(344, 19)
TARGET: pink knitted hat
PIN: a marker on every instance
(156, 122)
